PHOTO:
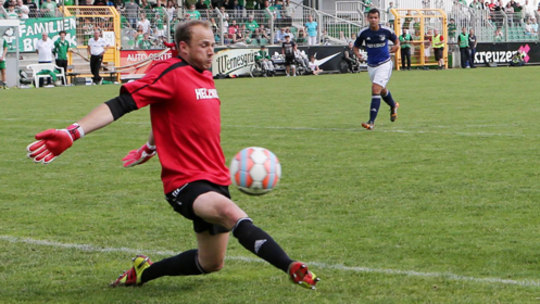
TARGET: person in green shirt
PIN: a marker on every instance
(193, 13)
(145, 43)
(263, 59)
(452, 30)
(463, 42)
(3, 53)
(61, 47)
(48, 9)
(251, 24)
(405, 41)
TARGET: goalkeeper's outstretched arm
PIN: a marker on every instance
(53, 142)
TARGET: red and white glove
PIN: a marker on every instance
(52, 142)
(139, 156)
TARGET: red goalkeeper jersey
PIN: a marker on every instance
(185, 114)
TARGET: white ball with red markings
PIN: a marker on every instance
(255, 170)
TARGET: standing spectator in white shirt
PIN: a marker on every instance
(44, 48)
(145, 23)
(96, 49)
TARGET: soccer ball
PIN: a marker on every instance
(255, 170)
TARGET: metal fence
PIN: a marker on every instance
(493, 26)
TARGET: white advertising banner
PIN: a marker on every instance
(235, 62)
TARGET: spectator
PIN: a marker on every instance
(3, 53)
(145, 6)
(229, 4)
(407, 20)
(132, 11)
(160, 16)
(44, 49)
(527, 10)
(531, 27)
(239, 4)
(193, 13)
(288, 32)
(144, 23)
(427, 45)
(48, 9)
(438, 48)
(288, 48)
(265, 34)
(325, 39)
(238, 8)
(312, 27)
(498, 35)
(517, 17)
(463, 41)
(11, 13)
(96, 49)
(233, 28)
(313, 66)
(61, 47)
(100, 2)
(472, 47)
(391, 17)
(203, 4)
(171, 10)
(139, 35)
(350, 57)
(279, 36)
(302, 38)
(251, 24)
(452, 31)
(251, 5)
(263, 59)
(239, 37)
(145, 43)
(509, 11)
(23, 10)
(534, 26)
(405, 41)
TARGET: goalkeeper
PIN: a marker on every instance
(185, 115)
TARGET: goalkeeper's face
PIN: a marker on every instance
(200, 49)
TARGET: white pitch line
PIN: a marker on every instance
(411, 130)
(412, 273)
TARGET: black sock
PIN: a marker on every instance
(260, 243)
(186, 263)
(388, 99)
(374, 109)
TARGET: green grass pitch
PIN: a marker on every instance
(440, 206)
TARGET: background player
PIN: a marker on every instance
(186, 127)
(375, 38)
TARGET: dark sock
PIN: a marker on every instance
(374, 109)
(388, 99)
(186, 263)
(260, 243)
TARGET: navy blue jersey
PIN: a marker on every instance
(376, 43)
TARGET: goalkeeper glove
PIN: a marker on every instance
(139, 156)
(52, 142)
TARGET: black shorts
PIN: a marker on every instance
(289, 59)
(182, 200)
(438, 53)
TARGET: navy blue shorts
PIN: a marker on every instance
(182, 200)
